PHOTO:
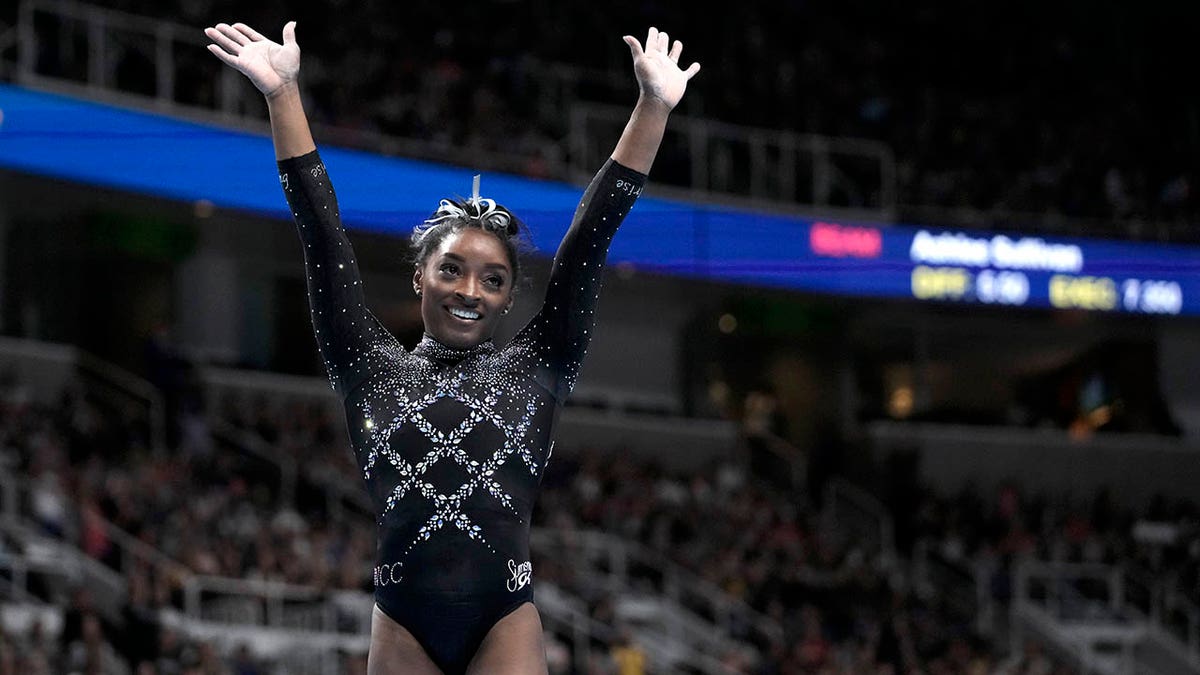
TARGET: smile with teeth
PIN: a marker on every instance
(469, 314)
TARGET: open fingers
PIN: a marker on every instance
(651, 38)
(676, 50)
(692, 70)
(664, 41)
(249, 32)
(218, 36)
(233, 34)
(223, 55)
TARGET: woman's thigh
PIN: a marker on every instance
(394, 651)
(515, 645)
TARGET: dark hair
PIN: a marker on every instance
(455, 215)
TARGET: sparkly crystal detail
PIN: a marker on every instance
(451, 440)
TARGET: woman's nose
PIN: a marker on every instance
(468, 290)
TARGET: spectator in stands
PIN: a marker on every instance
(627, 654)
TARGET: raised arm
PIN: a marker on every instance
(565, 323)
(661, 85)
(346, 331)
(274, 69)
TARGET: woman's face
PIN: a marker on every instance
(465, 287)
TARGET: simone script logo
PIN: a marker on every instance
(521, 574)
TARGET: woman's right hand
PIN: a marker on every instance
(269, 65)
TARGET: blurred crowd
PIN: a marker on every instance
(1158, 543)
(86, 469)
(1002, 115)
(839, 600)
(846, 605)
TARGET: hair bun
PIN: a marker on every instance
(498, 223)
(483, 213)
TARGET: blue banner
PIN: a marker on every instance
(62, 137)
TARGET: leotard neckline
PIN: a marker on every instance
(431, 349)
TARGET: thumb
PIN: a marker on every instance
(289, 33)
(635, 47)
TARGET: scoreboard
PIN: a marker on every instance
(959, 266)
(1031, 271)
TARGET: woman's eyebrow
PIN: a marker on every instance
(459, 258)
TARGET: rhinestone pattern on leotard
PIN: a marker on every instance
(452, 443)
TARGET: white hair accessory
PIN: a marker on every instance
(489, 215)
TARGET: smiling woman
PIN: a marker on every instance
(465, 287)
(453, 436)
(467, 263)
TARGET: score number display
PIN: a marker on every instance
(1016, 271)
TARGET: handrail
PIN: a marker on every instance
(555, 609)
(274, 596)
(561, 83)
(966, 583)
(623, 554)
(1186, 647)
(65, 555)
(136, 387)
(722, 603)
(116, 378)
(337, 493)
(230, 92)
(316, 389)
(19, 568)
(840, 489)
(301, 386)
(772, 181)
(256, 446)
(11, 485)
(1040, 437)
(786, 452)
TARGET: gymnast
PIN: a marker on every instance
(453, 436)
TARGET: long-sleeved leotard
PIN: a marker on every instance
(452, 443)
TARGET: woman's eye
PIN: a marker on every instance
(494, 281)
(449, 268)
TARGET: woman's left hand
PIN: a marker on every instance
(657, 70)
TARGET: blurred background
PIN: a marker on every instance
(896, 370)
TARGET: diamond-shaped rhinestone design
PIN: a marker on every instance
(481, 408)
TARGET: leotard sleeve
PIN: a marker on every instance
(564, 324)
(347, 333)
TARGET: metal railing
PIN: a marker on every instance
(697, 611)
(273, 604)
(563, 616)
(48, 367)
(737, 165)
(187, 81)
(283, 617)
(742, 166)
(682, 588)
(1087, 610)
(758, 168)
(312, 624)
(857, 512)
(16, 572)
(961, 585)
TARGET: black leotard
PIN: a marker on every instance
(452, 443)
